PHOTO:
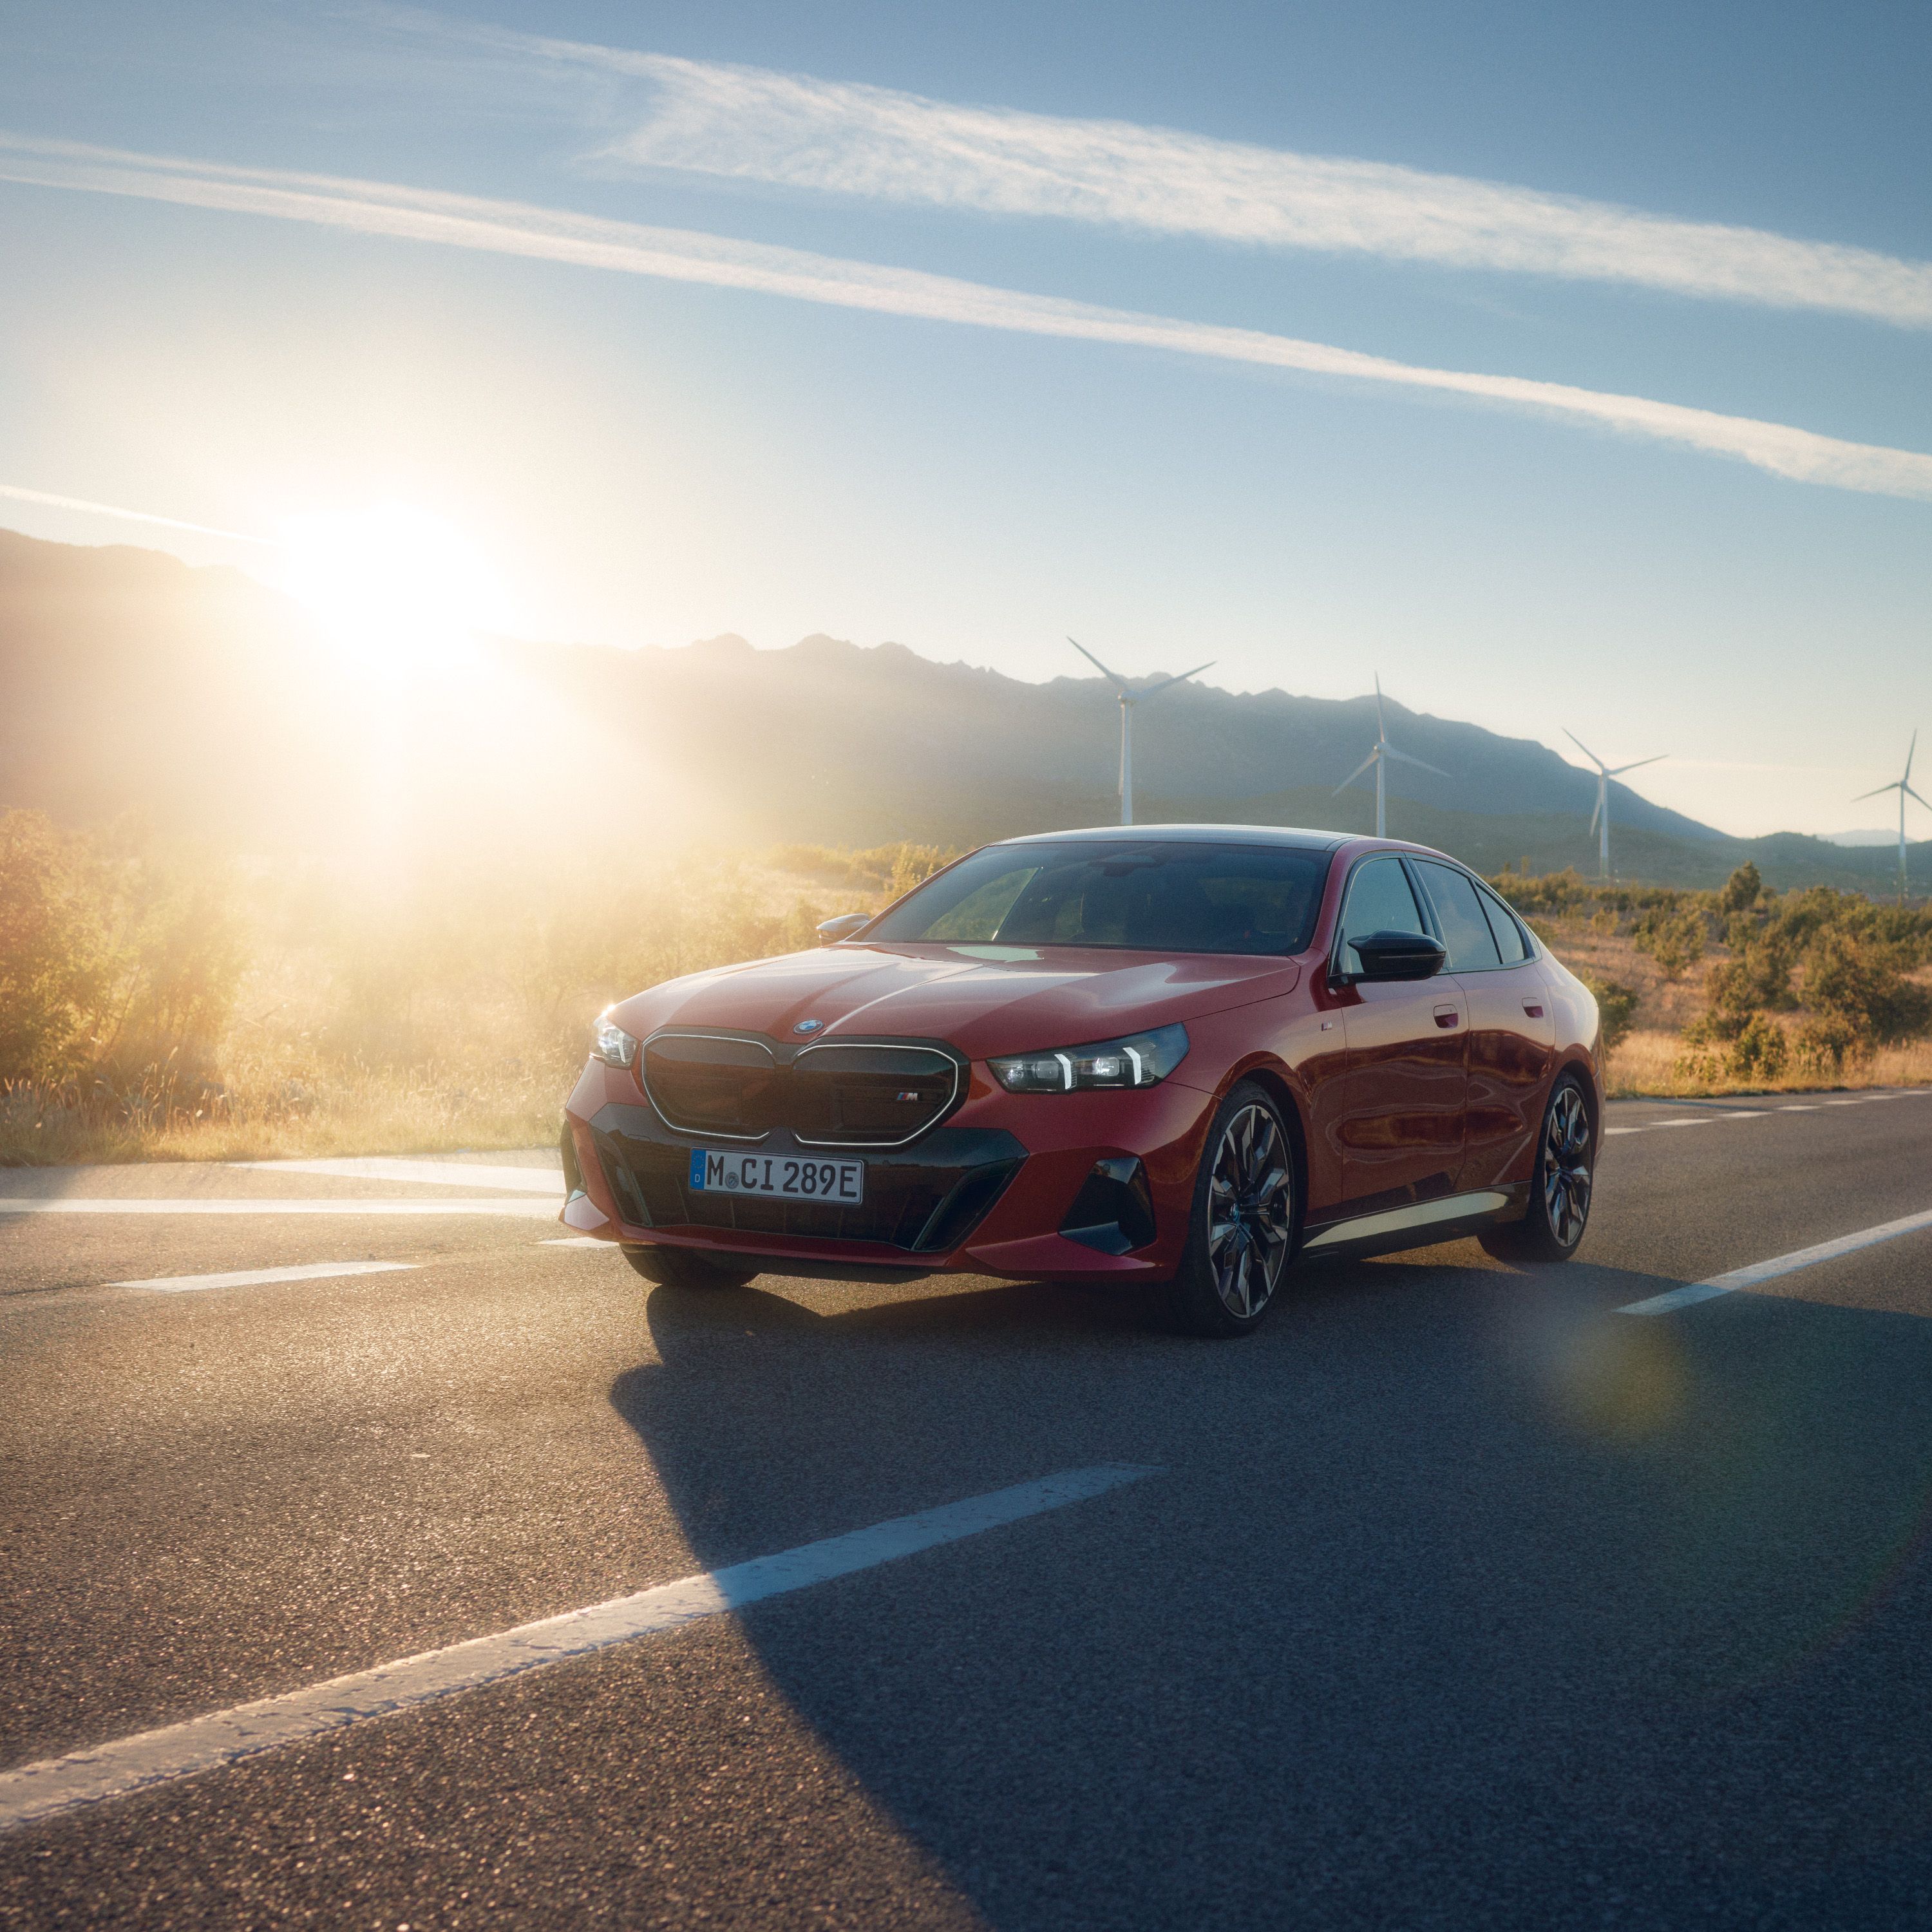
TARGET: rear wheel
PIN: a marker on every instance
(678, 1267)
(1561, 1187)
(1243, 1228)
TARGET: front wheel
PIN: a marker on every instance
(678, 1267)
(1559, 1190)
(1242, 1228)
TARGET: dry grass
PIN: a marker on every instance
(1646, 1064)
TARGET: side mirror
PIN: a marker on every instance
(1396, 955)
(831, 931)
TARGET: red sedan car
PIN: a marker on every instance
(1178, 1054)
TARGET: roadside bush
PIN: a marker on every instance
(54, 951)
(119, 957)
(1859, 981)
(1674, 939)
(1616, 1007)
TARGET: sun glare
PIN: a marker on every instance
(391, 585)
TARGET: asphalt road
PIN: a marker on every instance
(1455, 1598)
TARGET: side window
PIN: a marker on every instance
(1379, 901)
(1465, 931)
(1503, 923)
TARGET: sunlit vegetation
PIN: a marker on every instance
(160, 999)
(1812, 987)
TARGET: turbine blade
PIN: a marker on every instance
(1152, 689)
(1114, 676)
(1364, 766)
(1381, 727)
(1909, 750)
(1574, 739)
(1618, 771)
(1910, 794)
(1596, 812)
(1391, 751)
(1876, 791)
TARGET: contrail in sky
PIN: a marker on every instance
(751, 124)
(25, 495)
(512, 228)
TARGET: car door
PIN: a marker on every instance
(1402, 1103)
(1512, 1032)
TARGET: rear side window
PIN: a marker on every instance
(1510, 941)
(1379, 901)
(1459, 912)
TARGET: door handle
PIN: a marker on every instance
(1534, 1008)
(1446, 1016)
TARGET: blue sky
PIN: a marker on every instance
(971, 334)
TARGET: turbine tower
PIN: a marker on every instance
(1903, 788)
(1379, 758)
(1129, 698)
(1600, 819)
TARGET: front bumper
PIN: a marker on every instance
(990, 1191)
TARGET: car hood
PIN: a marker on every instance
(982, 999)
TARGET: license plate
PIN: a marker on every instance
(789, 1177)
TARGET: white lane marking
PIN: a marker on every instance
(435, 1173)
(575, 1241)
(53, 1785)
(527, 1208)
(1759, 1271)
(182, 1284)
(1764, 1113)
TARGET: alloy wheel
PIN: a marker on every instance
(1250, 1210)
(1566, 1166)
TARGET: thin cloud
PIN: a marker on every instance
(511, 228)
(21, 495)
(750, 123)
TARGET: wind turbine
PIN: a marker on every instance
(1600, 819)
(1903, 788)
(1379, 758)
(1129, 698)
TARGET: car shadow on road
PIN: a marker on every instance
(1455, 1585)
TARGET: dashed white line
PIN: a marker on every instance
(576, 1241)
(183, 1284)
(1693, 1292)
(432, 1173)
(54, 1785)
(1764, 1113)
(522, 1206)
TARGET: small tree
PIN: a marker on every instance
(1742, 890)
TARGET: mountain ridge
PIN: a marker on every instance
(134, 680)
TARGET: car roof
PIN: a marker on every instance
(1295, 837)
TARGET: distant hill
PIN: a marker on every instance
(128, 679)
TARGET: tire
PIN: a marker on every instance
(678, 1267)
(1240, 1234)
(1561, 1187)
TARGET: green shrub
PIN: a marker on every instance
(1674, 939)
(1616, 1008)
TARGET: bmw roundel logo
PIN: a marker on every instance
(807, 1026)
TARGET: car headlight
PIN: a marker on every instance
(611, 1044)
(1140, 1060)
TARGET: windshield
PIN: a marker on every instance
(1150, 897)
